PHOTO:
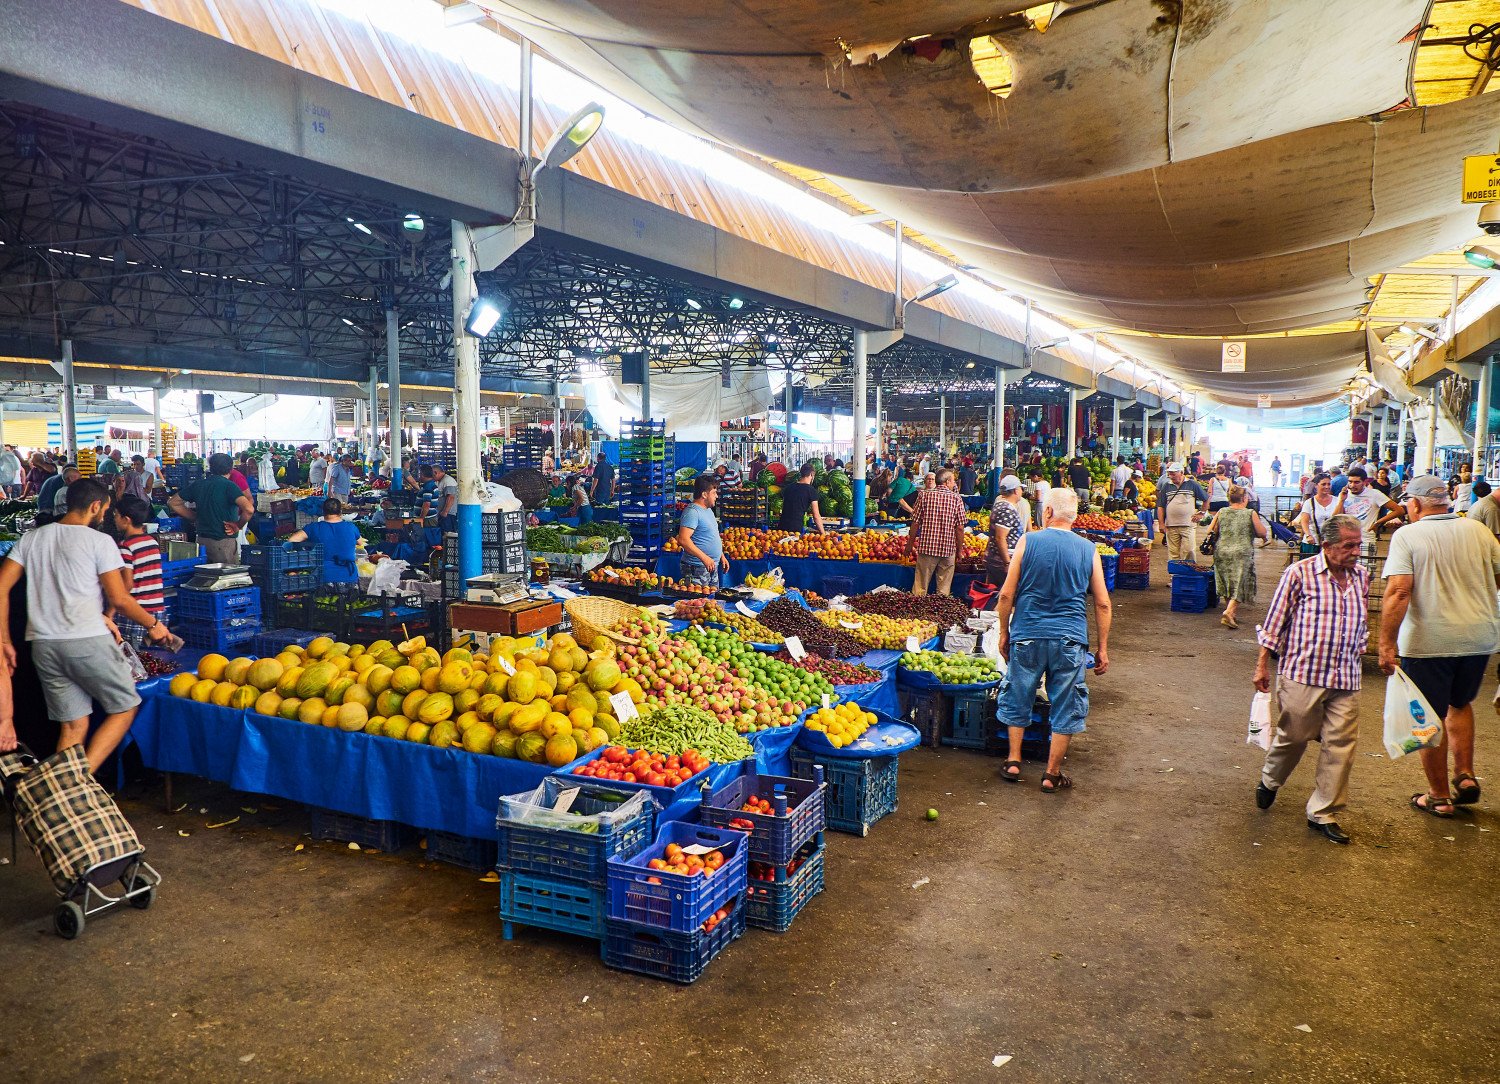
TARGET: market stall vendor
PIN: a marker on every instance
(440, 497)
(702, 551)
(339, 539)
(798, 500)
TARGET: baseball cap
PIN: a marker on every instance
(1136, 474)
(1173, 466)
(1009, 484)
(1427, 485)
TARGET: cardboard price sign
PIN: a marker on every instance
(624, 706)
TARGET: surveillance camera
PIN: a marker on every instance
(1484, 255)
(1489, 218)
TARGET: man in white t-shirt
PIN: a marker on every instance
(1118, 477)
(72, 573)
(1040, 487)
(317, 471)
(153, 473)
(1366, 503)
(10, 470)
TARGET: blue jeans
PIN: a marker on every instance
(1062, 663)
(586, 514)
(692, 570)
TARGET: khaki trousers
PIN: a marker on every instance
(926, 566)
(1311, 713)
(1182, 543)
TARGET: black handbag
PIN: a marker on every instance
(1209, 544)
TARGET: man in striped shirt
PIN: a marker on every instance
(1316, 629)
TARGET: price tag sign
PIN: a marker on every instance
(913, 644)
(742, 608)
(611, 573)
(852, 624)
(505, 664)
(827, 701)
(794, 647)
(961, 643)
(698, 849)
(624, 706)
(565, 800)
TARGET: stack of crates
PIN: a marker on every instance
(525, 449)
(1192, 588)
(669, 925)
(505, 534)
(554, 864)
(219, 621)
(972, 723)
(1135, 569)
(648, 503)
(744, 506)
(286, 580)
(181, 475)
(435, 452)
(786, 844)
(861, 790)
(283, 517)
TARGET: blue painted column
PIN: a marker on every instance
(466, 409)
(861, 364)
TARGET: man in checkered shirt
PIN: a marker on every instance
(937, 533)
(1316, 629)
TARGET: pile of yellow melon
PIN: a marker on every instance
(545, 704)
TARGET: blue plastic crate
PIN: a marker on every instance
(1133, 581)
(972, 723)
(1186, 568)
(676, 902)
(176, 573)
(771, 905)
(220, 638)
(286, 581)
(551, 903)
(466, 851)
(1111, 567)
(679, 957)
(798, 817)
(576, 855)
(238, 602)
(665, 796)
(861, 790)
(271, 642)
(275, 558)
(330, 824)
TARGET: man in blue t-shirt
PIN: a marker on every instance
(1044, 633)
(339, 539)
(602, 488)
(702, 552)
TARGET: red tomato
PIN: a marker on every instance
(629, 777)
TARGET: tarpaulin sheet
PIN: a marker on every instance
(669, 564)
(877, 696)
(445, 790)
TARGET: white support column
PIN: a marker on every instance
(1370, 438)
(1401, 437)
(1482, 416)
(465, 407)
(879, 425)
(942, 427)
(1431, 443)
(788, 406)
(857, 454)
(1114, 431)
(1385, 412)
(393, 391)
(203, 432)
(1072, 448)
(2, 425)
(374, 411)
(556, 419)
(69, 430)
(155, 448)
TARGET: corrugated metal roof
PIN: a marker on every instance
(359, 55)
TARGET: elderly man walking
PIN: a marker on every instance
(1316, 630)
(1439, 614)
(1044, 633)
(1180, 499)
(937, 534)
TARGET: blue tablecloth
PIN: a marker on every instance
(445, 790)
(669, 564)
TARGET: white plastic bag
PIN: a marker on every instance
(386, 579)
(1262, 728)
(1410, 722)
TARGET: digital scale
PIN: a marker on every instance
(219, 578)
(496, 587)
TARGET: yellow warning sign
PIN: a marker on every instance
(1481, 178)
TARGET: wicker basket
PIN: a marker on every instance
(592, 616)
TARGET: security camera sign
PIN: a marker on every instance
(1481, 178)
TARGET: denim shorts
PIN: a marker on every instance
(692, 570)
(1062, 664)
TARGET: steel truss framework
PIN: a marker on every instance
(115, 238)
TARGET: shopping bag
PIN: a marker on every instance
(1410, 722)
(1262, 729)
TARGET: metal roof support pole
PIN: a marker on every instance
(1431, 444)
(1482, 416)
(156, 423)
(857, 453)
(556, 418)
(879, 425)
(997, 431)
(1401, 438)
(69, 407)
(1384, 414)
(942, 427)
(1072, 421)
(1370, 437)
(373, 409)
(466, 408)
(788, 391)
(203, 429)
(393, 391)
(1114, 431)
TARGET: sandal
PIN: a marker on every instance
(1229, 622)
(1432, 804)
(1051, 784)
(1465, 795)
(1006, 774)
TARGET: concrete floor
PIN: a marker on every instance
(1151, 925)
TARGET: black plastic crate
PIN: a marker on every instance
(289, 611)
(467, 851)
(926, 709)
(502, 528)
(329, 824)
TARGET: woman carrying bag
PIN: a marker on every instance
(1231, 541)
